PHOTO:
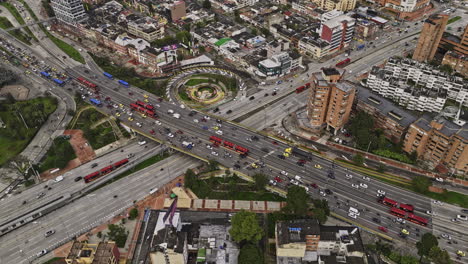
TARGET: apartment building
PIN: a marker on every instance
(417, 86)
(178, 10)
(341, 5)
(457, 54)
(429, 38)
(457, 61)
(330, 100)
(408, 10)
(306, 241)
(146, 28)
(70, 12)
(338, 32)
(393, 121)
(84, 253)
(439, 142)
(314, 47)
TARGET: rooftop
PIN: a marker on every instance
(448, 129)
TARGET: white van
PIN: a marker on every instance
(354, 211)
(59, 178)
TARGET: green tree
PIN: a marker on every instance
(381, 168)
(297, 200)
(420, 184)
(439, 256)
(245, 227)
(250, 254)
(361, 128)
(183, 36)
(358, 159)
(213, 165)
(424, 245)
(207, 4)
(253, 31)
(201, 49)
(446, 68)
(133, 213)
(260, 181)
(408, 260)
(118, 234)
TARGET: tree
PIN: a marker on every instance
(207, 4)
(420, 184)
(133, 213)
(250, 254)
(190, 178)
(439, 256)
(381, 168)
(358, 159)
(446, 68)
(118, 234)
(260, 181)
(427, 242)
(245, 227)
(361, 127)
(201, 49)
(183, 36)
(408, 260)
(297, 200)
(213, 165)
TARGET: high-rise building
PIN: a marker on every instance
(68, 11)
(338, 32)
(330, 100)
(177, 10)
(429, 39)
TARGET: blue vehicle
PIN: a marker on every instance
(45, 74)
(95, 102)
(108, 75)
(124, 83)
(59, 82)
(360, 47)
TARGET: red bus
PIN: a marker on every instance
(150, 107)
(343, 63)
(134, 106)
(388, 202)
(91, 177)
(407, 207)
(107, 169)
(87, 83)
(242, 150)
(140, 103)
(307, 85)
(417, 219)
(300, 89)
(216, 140)
(398, 212)
(150, 113)
(120, 163)
(228, 144)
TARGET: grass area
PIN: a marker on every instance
(99, 136)
(65, 47)
(193, 82)
(22, 120)
(155, 87)
(183, 95)
(230, 83)
(18, 18)
(31, 13)
(5, 23)
(58, 156)
(453, 19)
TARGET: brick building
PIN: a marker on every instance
(84, 253)
(408, 10)
(338, 32)
(177, 10)
(429, 38)
(457, 61)
(387, 116)
(439, 141)
(330, 100)
(457, 55)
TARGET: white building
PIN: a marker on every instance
(417, 86)
(68, 11)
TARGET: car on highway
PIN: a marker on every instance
(206, 117)
(170, 135)
(314, 185)
(464, 210)
(376, 220)
(317, 166)
(322, 193)
(363, 185)
(349, 176)
(209, 146)
(152, 132)
(383, 229)
(446, 236)
(437, 202)
(328, 191)
(77, 179)
(272, 182)
(400, 220)
(141, 143)
(219, 132)
(293, 181)
(40, 195)
(284, 173)
(214, 153)
(462, 217)
(278, 179)
(380, 193)
(439, 179)
(130, 118)
(41, 253)
(157, 122)
(365, 178)
(49, 233)
(94, 165)
(350, 214)
(195, 120)
(355, 185)
(139, 124)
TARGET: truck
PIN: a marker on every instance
(188, 145)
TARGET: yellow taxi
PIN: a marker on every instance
(461, 253)
(405, 232)
(143, 115)
(121, 105)
(215, 128)
(317, 166)
(254, 165)
(146, 100)
(117, 114)
(130, 118)
(145, 96)
(286, 154)
(288, 150)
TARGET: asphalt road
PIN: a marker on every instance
(21, 246)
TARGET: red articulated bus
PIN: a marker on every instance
(150, 113)
(417, 219)
(134, 107)
(343, 63)
(87, 83)
(300, 89)
(216, 140)
(140, 103)
(228, 144)
(388, 202)
(398, 212)
(307, 85)
(407, 207)
(95, 175)
(242, 150)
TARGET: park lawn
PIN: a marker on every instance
(98, 136)
(5, 23)
(450, 197)
(193, 82)
(65, 47)
(18, 34)
(453, 19)
(58, 155)
(16, 136)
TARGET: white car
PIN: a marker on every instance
(322, 193)
(41, 253)
(401, 220)
(446, 236)
(380, 192)
(355, 186)
(272, 182)
(195, 120)
(141, 143)
(294, 182)
(170, 135)
(207, 117)
(430, 213)
(437, 202)
(157, 122)
(365, 178)
(439, 179)
(284, 173)
(214, 153)
(209, 147)
(139, 124)
(59, 178)
(352, 215)
(348, 176)
(462, 217)
(363, 185)
(219, 132)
